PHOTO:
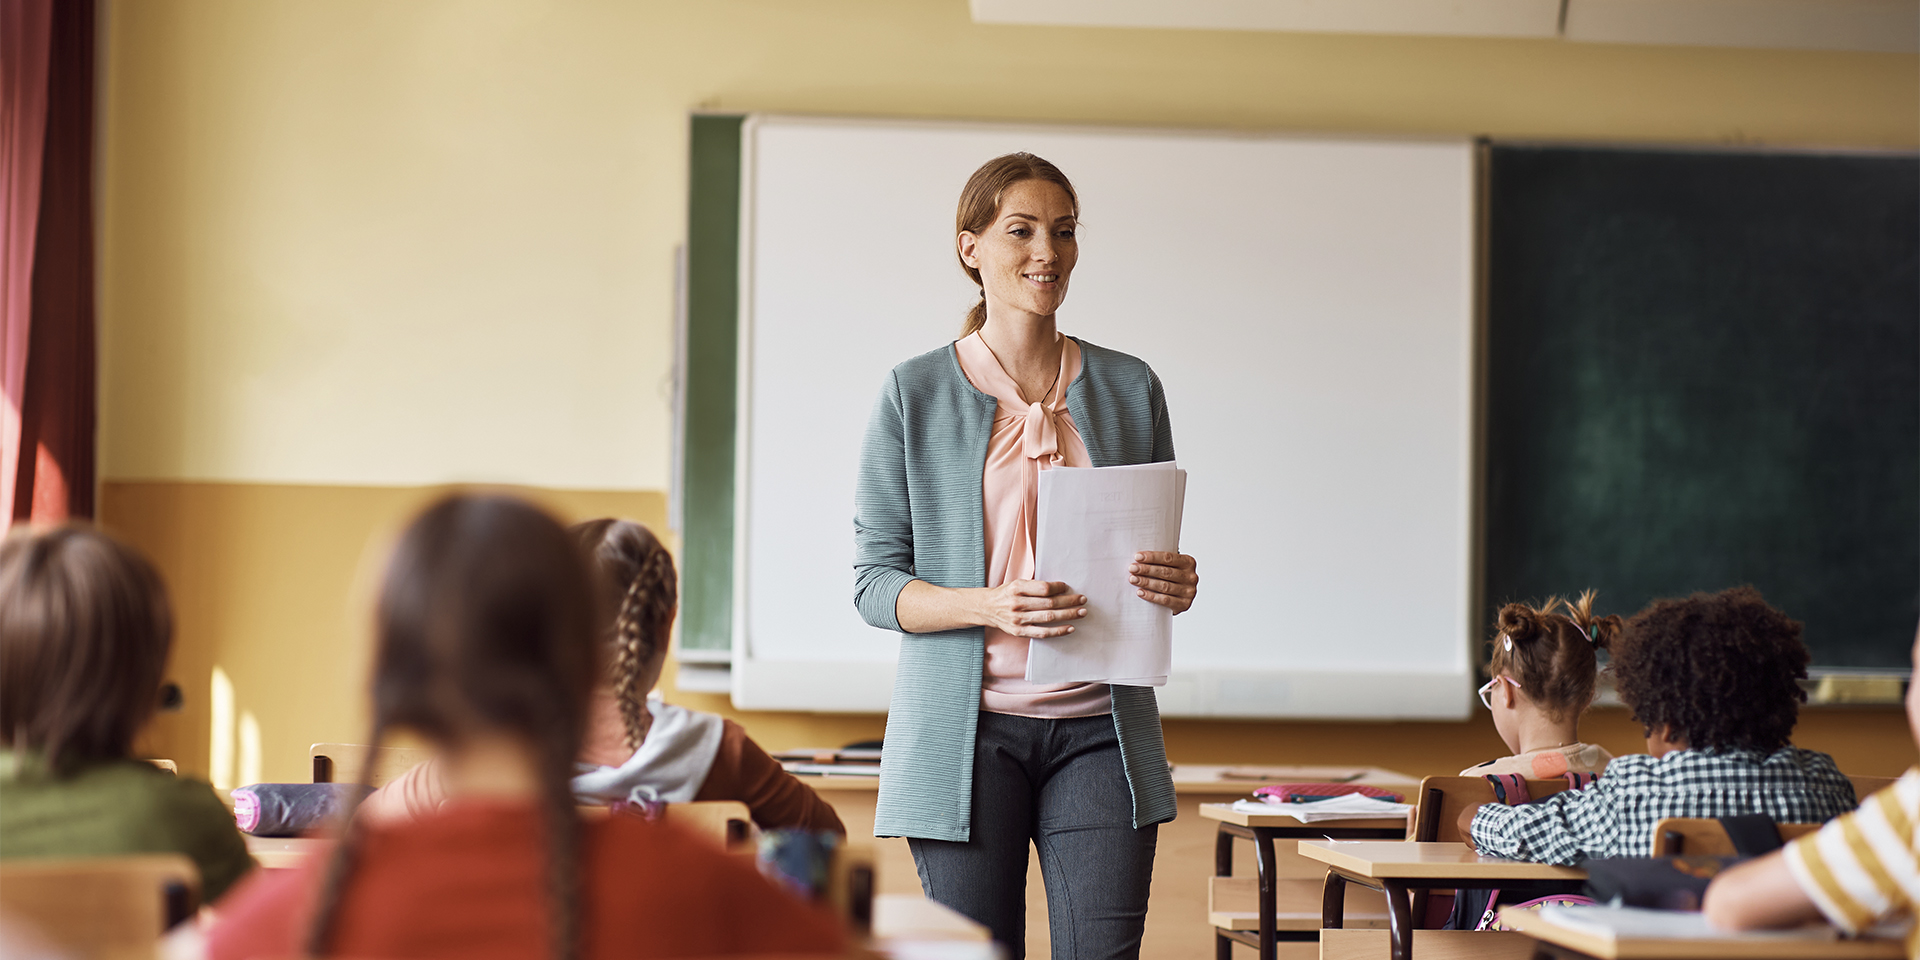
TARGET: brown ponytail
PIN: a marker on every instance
(486, 620)
(980, 207)
(1552, 654)
(633, 566)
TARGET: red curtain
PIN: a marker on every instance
(46, 272)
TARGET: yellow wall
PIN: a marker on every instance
(354, 248)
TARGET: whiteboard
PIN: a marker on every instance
(1307, 303)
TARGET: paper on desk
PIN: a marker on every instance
(1352, 806)
(1638, 922)
(1092, 520)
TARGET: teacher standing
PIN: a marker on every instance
(978, 762)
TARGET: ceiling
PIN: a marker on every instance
(1885, 26)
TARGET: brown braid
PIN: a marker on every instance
(561, 815)
(340, 866)
(635, 566)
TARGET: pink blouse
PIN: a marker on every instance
(1027, 438)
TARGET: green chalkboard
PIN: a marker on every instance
(713, 325)
(1702, 369)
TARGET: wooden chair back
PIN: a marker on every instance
(1442, 798)
(340, 762)
(726, 822)
(1864, 787)
(101, 906)
(1703, 837)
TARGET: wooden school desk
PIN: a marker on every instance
(1178, 920)
(1268, 926)
(1556, 941)
(1399, 867)
(286, 853)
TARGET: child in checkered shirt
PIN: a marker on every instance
(1859, 870)
(1712, 680)
(1541, 681)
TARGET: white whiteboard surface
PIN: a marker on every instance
(1307, 304)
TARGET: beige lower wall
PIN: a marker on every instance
(270, 582)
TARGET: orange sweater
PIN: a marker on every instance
(470, 882)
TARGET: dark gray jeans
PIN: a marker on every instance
(1060, 785)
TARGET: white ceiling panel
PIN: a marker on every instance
(1886, 26)
(1475, 18)
(1891, 26)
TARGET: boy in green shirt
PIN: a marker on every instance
(84, 634)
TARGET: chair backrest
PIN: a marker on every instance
(1703, 837)
(726, 822)
(339, 762)
(1864, 787)
(1442, 799)
(101, 906)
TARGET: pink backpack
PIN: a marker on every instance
(1511, 790)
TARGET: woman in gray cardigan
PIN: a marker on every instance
(979, 763)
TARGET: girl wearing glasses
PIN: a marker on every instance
(1543, 669)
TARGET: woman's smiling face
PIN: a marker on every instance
(1027, 255)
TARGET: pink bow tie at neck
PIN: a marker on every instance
(1040, 440)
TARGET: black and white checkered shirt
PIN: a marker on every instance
(1615, 817)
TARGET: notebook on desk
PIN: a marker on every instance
(1640, 923)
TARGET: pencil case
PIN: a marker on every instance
(1310, 792)
(291, 809)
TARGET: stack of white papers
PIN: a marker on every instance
(1640, 923)
(1092, 520)
(1352, 806)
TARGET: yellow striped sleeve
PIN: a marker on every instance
(1861, 868)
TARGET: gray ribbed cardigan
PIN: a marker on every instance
(918, 515)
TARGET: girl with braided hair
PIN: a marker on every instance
(1540, 680)
(639, 750)
(486, 647)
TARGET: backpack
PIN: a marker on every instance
(1482, 906)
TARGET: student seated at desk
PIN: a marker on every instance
(486, 647)
(84, 634)
(1859, 870)
(1711, 678)
(640, 749)
(1542, 672)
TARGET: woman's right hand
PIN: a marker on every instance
(1035, 609)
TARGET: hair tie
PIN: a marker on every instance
(1508, 641)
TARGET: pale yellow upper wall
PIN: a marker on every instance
(359, 241)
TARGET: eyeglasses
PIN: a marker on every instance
(1486, 689)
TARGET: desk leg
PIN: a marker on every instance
(1399, 920)
(1263, 861)
(1222, 867)
(1333, 902)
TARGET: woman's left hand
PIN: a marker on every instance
(1168, 579)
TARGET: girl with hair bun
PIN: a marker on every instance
(1541, 678)
(487, 645)
(638, 749)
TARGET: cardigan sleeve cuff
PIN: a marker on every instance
(879, 597)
